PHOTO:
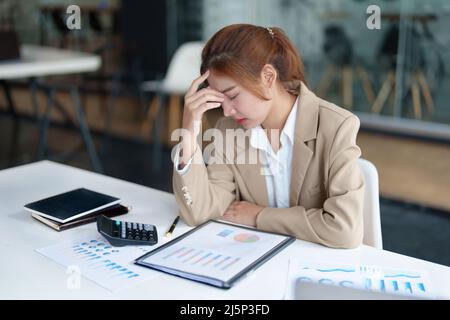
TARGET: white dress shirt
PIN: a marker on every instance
(277, 165)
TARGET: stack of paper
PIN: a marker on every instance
(390, 281)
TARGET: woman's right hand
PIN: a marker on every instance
(196, 103)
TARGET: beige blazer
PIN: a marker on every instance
(327, 186)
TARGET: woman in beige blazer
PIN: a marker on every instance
(305, 182)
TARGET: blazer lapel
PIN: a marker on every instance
(305, 130)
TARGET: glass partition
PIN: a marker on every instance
(387, 61)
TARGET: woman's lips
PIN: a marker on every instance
(241, 121)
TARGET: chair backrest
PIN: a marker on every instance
(183, 68)
(372, 220)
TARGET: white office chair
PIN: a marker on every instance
(183, 69)
(372, 220)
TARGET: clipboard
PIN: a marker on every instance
(216, 253)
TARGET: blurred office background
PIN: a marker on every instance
(396, 79)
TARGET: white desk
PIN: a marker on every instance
(37, 61)
(25, 273)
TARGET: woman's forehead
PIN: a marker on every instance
(220, 82)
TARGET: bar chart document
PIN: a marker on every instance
(397, 281)
(216, 253)
(111, 268)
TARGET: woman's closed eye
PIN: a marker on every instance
(235, 96)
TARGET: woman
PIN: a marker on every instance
(307, 182)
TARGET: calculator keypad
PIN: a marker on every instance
(122, 233)
(137, 231)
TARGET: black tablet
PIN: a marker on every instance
(71, 205)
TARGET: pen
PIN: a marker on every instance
(172, 227)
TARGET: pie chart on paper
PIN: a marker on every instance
(246, 238)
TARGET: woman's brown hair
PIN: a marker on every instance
(240, 52)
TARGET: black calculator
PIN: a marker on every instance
(121, 233)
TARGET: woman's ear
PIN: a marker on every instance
(268, 79)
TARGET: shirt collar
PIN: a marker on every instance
(258, 138)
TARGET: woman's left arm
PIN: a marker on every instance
(339, 223)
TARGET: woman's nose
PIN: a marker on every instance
(228, 110)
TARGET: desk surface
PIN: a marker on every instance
(24, 273)
(40, 61)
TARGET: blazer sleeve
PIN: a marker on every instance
(204, 192)
(339, 223)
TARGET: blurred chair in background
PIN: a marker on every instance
(414, 62)
(387, 58)
(94, 37)
(183, 69)
(338, 48)
(141, 55)
(54, 31)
